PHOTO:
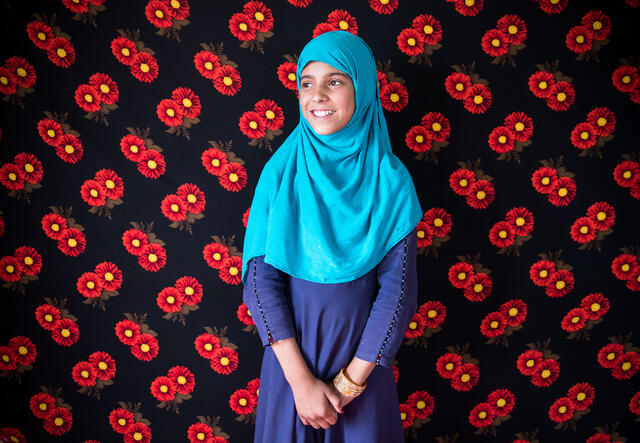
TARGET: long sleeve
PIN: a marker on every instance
(264, 296)
(395, 304)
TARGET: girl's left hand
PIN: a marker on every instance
(344, 399)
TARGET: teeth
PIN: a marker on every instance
(322, 113)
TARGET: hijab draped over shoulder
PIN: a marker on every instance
(327, 208)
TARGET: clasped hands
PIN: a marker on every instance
(318, 402)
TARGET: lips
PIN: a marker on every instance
(322, 113)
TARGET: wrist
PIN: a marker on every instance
(300, 379)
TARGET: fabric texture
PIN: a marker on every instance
(327, 208)
(366, 317)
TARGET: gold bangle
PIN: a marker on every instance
(347, 387)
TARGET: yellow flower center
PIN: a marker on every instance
(41, 36)
(428, 29)
(102, 365)
(462, 275)
(559, 284)
(125, 52)
(403, 416)
(159, 13)
(65, 333)
(208, 66)
(420, 404)
(463, 182)
(501, 402)
(419, 139)
(519, 126)
(438, 222)
(175, 207)
(625, 267)
(72, 242)
(477, 99)
(562, 409)
(171, 112)
(562, 192)
(432, 313)
(584, 230)
(152, 164)
(135, 242)
(495, 42)
(512, 29)
(581, 396)
(580, 39)
(58, 421)
(601, 215)
(482, 414)
(208, 346)
(22, 350)
(243, 402)
(584, 135)
(469, 2)
(413, 325)
(477, 288)
(270, 114)
(128, 333)
(88, 98)
(575, 319)
(530, 363)
(480, 195)
(145, 347)
(411, 41)
(181, 380)
(465, 378)
(394, 97)
(343, 25)
(215, 162)
(513, 312)
(242, 26)
(43, 406)
(626, 79)
(188, 290)
(85, 374)
(217, 256)
(520, 221)
(542, 85)
(611, 356)
(602, 121)
(259, 16)
(153, 258)
(595, 307)
(436, 126)
(626, 366)
(164, 388)
(93, 193)
(233, 177)
(51, 133)
(253, 124)
(494, 324)
(61, 53)
(137, 436)
(227, 81)
(233, 270)
(69, 149)
(170, 299)
(48, 317)
(224, 361)
(91, 285)
(561, 96)
(502, 234)
(292, 76)
(175, 4)
(9, 269)
(502, 139)
(104, 88)
(122, 421)
(144, 67)
(545, 373)
(459, 86)
(186, 102)
(449, 366)
(200, 435)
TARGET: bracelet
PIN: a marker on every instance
(347, 387)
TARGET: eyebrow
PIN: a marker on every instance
(331, 74)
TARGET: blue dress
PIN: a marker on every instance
(366, 317)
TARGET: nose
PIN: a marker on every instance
(320, 94)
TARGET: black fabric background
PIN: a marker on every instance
(54, 92)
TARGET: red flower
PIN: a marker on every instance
(424, 234)
(579, 39)
(121, 420)
(560, 283)
(341, 19)
(460, 275)
(300, 3)
(207, 64)
(581, 396)
(174, 208)
(137, 433)
(599, 437)
(514, 29)
(8, 361)
(468, 7)
(233, 177)
(72, 242)
(10, 269)
(574, 320)
(47, 316)
(529, 362)
(634, 403)
(493, 325)
(231, 270)
(540, 83)
(227, 80)
(242, 27)
(407, 415)
(625, 266)
(207, 345)
(543, 179)
(145, 347)
(11, 176)
(41, 405)
(495, 43)
(561, 96)
(40, 34)
(457, 85)
(188, 102)
(394, 97)
(602, 214)
(546, 373)
(481, 194)
(448, 364)
(215, 255)
(595, 305)
(271, 112)
(502, 139)
(159, 14)
(124, 50)
(520, 124)
(163, 388)
(433, 312)
(111, 183)
(89, 285)
(626, 78)
(61, 52)
(609, 355)
(502, 234)
(287, 75)
(169, 112)
(224, 360)
(65, 332)
(416, 326)
(105, 87)
(58, 421)
(253, 386)
(603, 121)
(482, 415)
(214, 160)
(50, 131)
(514, 311)
(93, 193)
(260, 15)
(242, 402)
(153, 257)
(417, 139)
(169, 300)
(465, 377)
(54, 226)
(192, 197)
(152, 164)
(200, 432)
(104, 365)
(410, 41)
(183, 378)
(583, 136)
(25, 74)
(439, 221)
(461, 181)
(521, 220)
(69, 148)
(562, 191)
(84, 374)
(132, 147)
(626, 366)
(598, 24)
(253, 125)
(422, 404)
(88, 98)
(429, 27)
(502, 401)
(478, 99)
(109, 275)
(127, 331)
(382, 80)
(437, 125)
(321, 28)
(244, 315)
(144, 67)
(77, 6)
(561, 410)
(25, 350)
(134, 241)
(553, 6)
(179, 9)
(583, 230)
(30, 166)
(383, 6)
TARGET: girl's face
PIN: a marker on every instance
(327, 97)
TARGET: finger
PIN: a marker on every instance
(304, 421)
(314, 424)
(323, 423)
(330, 416)
(335, 402)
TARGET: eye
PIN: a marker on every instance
(304, 84)
(335, 82)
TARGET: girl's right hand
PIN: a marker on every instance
(316, 403)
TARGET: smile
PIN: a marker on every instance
(322, 114)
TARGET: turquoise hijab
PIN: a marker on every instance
(327, 208)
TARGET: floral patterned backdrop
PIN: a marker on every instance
(132, 137)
